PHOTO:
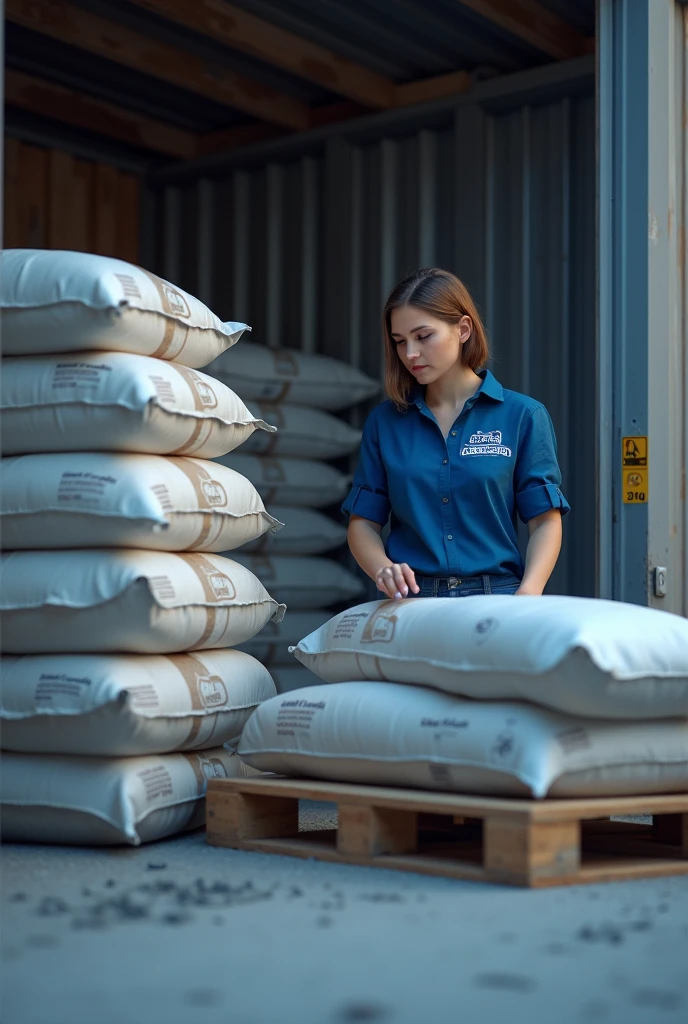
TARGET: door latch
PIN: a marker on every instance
(660, 581)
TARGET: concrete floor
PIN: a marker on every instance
(179, 933)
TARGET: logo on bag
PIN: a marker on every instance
(503, 745)
(206, 395)
(221, 586)
(211, 691)
(212, 768)
(381, 626)
(486, 443)
(214, 493)
(175, 301)
(483, 630)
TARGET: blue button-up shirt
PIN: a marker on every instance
(453, 503)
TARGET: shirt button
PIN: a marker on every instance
(450, 536)
(453, 433)
(445, 461)
(445, 500)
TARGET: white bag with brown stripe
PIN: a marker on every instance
(118, 402)
(96, 499)
(583, 656)
(286, 375)
(385, 734)
(139, 602)
(101, 801)
(303, 432)
(56, 301)
(285, 481)
(116, 705)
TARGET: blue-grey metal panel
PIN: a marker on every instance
(504, 196)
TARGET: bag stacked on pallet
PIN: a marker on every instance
(547, 696)
(119, 697)
(299, 393)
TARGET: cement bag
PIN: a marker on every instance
(393, 735)
(117, 402)
(304, 582)
(287, 678)
(124, 706)
(601, 659)
(139, 602)
(101, 801)
(305, 532)
(301, 431)
(271, 646)
(301, 482)
(283, 374)
(75, 302)
(93, 499)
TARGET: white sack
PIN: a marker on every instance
(139, 602)
(118, 402)
(305, 532)
(282, 374)
(74, 301)
(96, 499)
(602, 659)
(100, 801)
(386, 734)
(304, 582)
(304, 432)
(272, 645)
(285, 481)
(116, 705)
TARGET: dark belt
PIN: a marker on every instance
(452, 582)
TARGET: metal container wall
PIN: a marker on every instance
(305, 247)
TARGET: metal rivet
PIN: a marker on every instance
(445, 500)
(445, 461)
(449, 536)
(453, 433)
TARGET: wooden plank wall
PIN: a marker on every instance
(54, 200)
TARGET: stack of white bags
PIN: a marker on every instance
(512, 696)
(120, 684)
(299, 392)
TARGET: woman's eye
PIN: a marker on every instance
(423, 337)
(398, 341)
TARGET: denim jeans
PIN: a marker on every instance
(435, 586)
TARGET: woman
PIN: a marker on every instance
(453, 458)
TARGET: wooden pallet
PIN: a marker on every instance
(484, 839)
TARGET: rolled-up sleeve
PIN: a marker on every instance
(369, 497)
(537, 481)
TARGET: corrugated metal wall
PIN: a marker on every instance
(305, 250)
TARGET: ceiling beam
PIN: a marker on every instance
(224, 140)
(249, 34)
(78, 27)
(48, 99)
(425, 89)
(534, 24)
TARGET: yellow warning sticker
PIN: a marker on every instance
(635, 486)
(635, 471)
(634, 452)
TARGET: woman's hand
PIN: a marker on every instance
(396, 580)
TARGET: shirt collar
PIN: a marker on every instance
(490, 387)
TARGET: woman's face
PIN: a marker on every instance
(428, 347)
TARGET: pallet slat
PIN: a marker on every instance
(517, 842)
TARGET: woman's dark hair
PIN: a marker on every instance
(442, 295)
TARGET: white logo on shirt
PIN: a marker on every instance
(486, 443)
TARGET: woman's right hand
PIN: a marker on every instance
(396, 580)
